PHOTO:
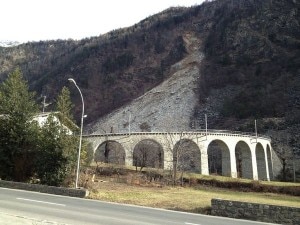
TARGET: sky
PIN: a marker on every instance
(34, 20)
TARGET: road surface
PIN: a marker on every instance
(38, 208)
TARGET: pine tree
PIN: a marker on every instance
(64, 104)
(57, 148)
(56, 153)
(15, 99)
(26, 149)
(17, 132)
(64, 107)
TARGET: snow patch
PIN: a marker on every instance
(7, 44)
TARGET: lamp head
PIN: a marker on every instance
(72, 80)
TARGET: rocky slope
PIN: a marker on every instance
(167, 107)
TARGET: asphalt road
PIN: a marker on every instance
(68, 210)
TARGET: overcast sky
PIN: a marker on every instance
(34, 20)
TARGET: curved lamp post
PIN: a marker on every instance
(81, 126)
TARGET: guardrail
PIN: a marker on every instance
(199, 132)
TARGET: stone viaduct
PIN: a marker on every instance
(253, 153)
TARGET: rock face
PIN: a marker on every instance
(167, 107)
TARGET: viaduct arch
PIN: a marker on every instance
(242, 155)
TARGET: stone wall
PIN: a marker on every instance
(258, 212)
(81, 193)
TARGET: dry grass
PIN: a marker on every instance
(228, 179)
(181, 198)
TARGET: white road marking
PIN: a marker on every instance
(31, 200)
(191, 223)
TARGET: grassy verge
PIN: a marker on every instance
(229, 179)
(125, 185)
(196, 199)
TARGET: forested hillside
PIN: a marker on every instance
(253, 62)
(111, 69)
(250, 69)
(256, 46)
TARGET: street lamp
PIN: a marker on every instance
(81, 126)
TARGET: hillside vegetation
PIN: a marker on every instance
(250, 68)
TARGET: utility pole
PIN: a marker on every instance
(255, 130)
(294, 169)
(294, 165)
(129, 119)
(206, 124)
(44, 103)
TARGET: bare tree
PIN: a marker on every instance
(185, 155)
(214, 159)
(148, 153)
(110, 152)
(281, 140)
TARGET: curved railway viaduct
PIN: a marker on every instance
(243, 155)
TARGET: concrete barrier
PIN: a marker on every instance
(254, 211)
(80, 193)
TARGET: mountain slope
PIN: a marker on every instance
(236, 61)
(111, 69)
(167, 107)
(256, 45)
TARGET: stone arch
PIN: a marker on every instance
(243, 160)
(187, 156)
(269, 158)
(110, 152)
(148, 153)
(261, 162)
(218, 158)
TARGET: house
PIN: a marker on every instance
(41, 119)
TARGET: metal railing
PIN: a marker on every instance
(199, 132)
